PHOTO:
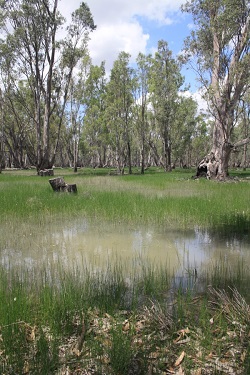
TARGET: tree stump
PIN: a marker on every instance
(46, 172)
(71, 188)
(58, 184)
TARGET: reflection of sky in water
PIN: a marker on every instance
(194, 249)
(101, 243)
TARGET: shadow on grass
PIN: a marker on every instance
(240, 173)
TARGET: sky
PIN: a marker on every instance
(135, 26)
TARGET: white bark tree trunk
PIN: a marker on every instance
(225, 91)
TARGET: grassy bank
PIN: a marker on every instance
(133, 322)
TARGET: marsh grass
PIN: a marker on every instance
(130, 320)
(120, 351)
(43, 312)
(126, 324)
(168, 200)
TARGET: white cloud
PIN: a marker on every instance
(202, 104)
(108, 40)
(115, 10)
(119, 26)
(198, 97)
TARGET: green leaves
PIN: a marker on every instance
(82, 18)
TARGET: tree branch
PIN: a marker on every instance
(241, 143)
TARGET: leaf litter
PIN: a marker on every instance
(157, 342)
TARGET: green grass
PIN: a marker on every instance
(171, 200)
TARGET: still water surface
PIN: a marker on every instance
(96, 244)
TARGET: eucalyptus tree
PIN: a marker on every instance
(142, 103)
(75, 119)
(183, 130)
(76, 108)
(95, 129)
(119, 102)
(220, 45)
(17, 109)
(2, 162)
(165, 82)
(243, 130)
(73, 51)
(32, 28)
(17, 127)
(17, 114)
(200, 142)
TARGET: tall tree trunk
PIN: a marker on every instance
(143, 159)
(75, 154)
(221, 150)
(45, 155)
(129, 159)
(38, 132)
(215, 165)
(46, 163)
(155, 152)
(167, 153)
(118, 160)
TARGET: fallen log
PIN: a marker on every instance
(58, 184)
